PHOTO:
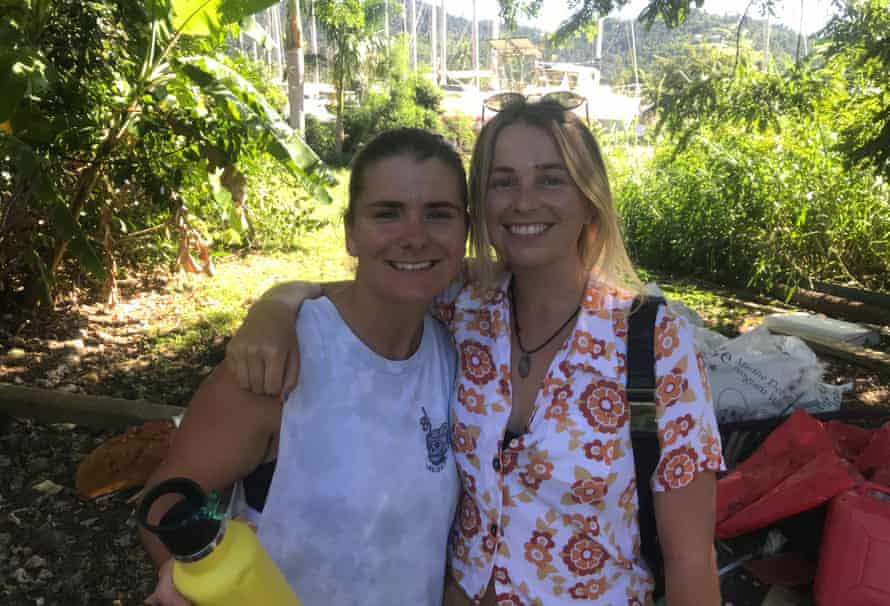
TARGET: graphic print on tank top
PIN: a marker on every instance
(437, 441)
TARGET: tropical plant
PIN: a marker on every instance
(101, 140)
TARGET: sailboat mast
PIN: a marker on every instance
(443, 79)
(475, 46)
(434, 54)
(633, 46)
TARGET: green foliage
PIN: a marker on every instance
(859, 46)
(758, 209)
(112, 145)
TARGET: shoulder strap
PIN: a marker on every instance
(646, 449)
(641, 349)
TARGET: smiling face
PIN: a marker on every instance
(408, 230)
(534, 212)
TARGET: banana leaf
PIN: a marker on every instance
(208, 17)
(247, 105)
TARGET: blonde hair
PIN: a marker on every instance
(600, 246)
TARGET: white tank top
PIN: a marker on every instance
(365, 487)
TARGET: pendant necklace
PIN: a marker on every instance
(525, 357)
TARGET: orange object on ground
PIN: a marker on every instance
(795, 469)
(124, 461)
(6, 127)
(854, 557)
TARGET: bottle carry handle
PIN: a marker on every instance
(185, 529)
(185, 487)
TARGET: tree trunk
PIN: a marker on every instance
(295, 71)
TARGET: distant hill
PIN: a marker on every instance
(617, 67)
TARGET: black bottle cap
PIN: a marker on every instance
(185, 530)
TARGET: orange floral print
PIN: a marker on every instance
(677, 428)
(504, 382)
(666, 338)
(606, 452)
(620, 364)
(589, 490)
(589, 525)
(619, 324)
(509, 460)
(509, 599)
(445, 312)
(634, 600)
(712, 450)
(486, 323)
(470, 520)
(670, 388)
(476, 362)
(489, 544)
(538, 470)
(592, 302)
(468, 481)
(471, 399)
(703, 371)
(537, 549)
(459, 548)
(583, 555)
(583, 343)
(677, 467)
(501, 575)
(626, 501)
(591, 590)
(604, 405)
(559, 405)
(463, 437)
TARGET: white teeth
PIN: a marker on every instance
(412, 266)
(527, 230)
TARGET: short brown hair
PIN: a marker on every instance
(419, 143)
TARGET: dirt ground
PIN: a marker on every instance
(58, 549)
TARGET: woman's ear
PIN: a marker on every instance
(350, 242)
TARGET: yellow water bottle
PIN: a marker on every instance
(217, 562)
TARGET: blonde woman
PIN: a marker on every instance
(540, 417)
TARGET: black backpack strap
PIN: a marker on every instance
(644, 435)
(641, 349)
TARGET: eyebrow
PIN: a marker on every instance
(545, 166)
(399, 204)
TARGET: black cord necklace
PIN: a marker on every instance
(525, 358)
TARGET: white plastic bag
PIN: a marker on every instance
(760, 375)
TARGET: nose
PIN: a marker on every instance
(414, 234)
(525, 198)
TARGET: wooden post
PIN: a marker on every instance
(52, 406)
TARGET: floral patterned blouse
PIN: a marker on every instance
(553, 513)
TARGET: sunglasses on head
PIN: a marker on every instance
(564, 98)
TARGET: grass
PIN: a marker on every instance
(203, 307)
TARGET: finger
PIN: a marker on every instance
(255, 366)
(238, 365)
(274, 373)
(291, 372)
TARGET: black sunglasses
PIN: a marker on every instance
(566, 99)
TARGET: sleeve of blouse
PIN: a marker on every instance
(687, 427)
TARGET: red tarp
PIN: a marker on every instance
(802, 464)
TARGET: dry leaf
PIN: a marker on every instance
(124, 461)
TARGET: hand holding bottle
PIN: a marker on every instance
(165, 593)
